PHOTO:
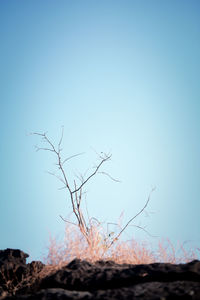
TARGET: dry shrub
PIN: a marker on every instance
(74, 245)
(131, 252)
(179, 253)
(87, 239)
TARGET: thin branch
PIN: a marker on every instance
(58, 177)
(104, 173)
(45, 149)
(93, 174)
(116, 238)
(68, 221)
(47, 140)
(110, 223)
(59, 144)
(62, 188)
(50, 143)
(80, 197)
(40, 134)
(80, 177)
(72, 156)
(95, 219)
(142, 228)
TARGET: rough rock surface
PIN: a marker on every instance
(100, 280)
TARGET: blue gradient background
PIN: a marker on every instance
(121, 76)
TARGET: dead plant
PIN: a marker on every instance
(98, 242)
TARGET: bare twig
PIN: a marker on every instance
(68, 221)
(143, 228)
(104, 173)
(45, 149)
(72, 156)
(58, 177)
(127, 224)
(93, 174)
(61, 138)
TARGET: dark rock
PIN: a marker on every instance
(101, 280)
(12, 256)
(14, 270)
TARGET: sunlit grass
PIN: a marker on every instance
(74, 245)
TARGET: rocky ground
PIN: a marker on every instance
(101, 280)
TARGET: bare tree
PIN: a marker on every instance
(75, 191)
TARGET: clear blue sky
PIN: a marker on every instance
(121, 76)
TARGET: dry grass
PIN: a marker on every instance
(88, 240)
(74, 245)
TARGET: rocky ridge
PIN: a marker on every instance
(101, 280)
